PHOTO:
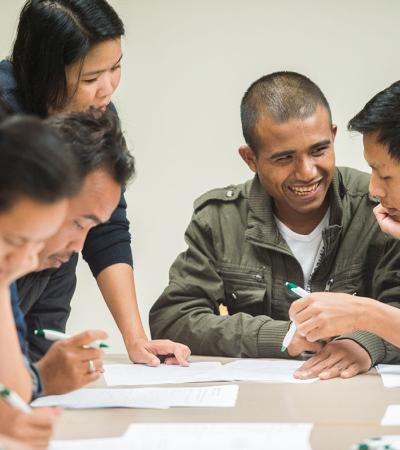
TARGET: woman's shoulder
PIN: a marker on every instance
(7, 78)
(8, 86)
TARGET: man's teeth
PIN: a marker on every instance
(304, 190)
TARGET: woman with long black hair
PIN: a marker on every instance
(67, 57)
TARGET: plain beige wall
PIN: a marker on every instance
(186, 65)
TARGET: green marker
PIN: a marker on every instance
(292, 329)
(53, 335)
(13, 399)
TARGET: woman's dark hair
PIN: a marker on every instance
(34, 163)
(53, 34)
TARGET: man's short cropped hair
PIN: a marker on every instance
(381, 115)
(97, 142)
(281, 96)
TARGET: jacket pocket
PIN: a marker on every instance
(349, 281)
(244, 289)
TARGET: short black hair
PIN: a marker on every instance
(34, 163)
(381, 115)
(51, 35)
(97, 141)
(282, 96)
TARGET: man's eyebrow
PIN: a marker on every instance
(95, 72)
(289, 152)
(282, 154)
(93, 218)
(320, 144)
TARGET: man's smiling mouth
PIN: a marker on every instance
(303, 191)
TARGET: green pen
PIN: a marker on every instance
(53, 335)
(300, 292)
(13, 399)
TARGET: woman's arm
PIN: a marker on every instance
(117, 286)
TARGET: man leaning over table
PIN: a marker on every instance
(322, 315)
(300, 219)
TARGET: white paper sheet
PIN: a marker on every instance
(273, 371)
(198, 436)
(232, 436)
(209, 396)
(390, 374)
(91, 444)
(392, 415)
(138, 374)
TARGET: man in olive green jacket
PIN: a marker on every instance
(300, 219)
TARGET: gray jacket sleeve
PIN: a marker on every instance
(188, 309)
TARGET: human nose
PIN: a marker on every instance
(305, 169)
(107, 86)
(28, 256)
(375, 187)
(77, 243)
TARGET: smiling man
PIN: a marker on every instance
(322, 315)
(300, 219)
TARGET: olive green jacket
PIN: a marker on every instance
(237, 257)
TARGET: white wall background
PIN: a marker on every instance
(186, 66)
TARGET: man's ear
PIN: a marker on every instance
(249, 157)
(334, 130)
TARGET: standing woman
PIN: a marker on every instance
(67, 57)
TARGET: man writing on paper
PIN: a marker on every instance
(105, 166)
(296, 221)
(323, 315)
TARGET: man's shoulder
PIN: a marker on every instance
(354, 181)
(223, 195)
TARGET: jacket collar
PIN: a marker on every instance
(261, 226)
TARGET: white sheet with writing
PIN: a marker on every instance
(138, 374)
(198, 436)
(209, 396)
(273, 371)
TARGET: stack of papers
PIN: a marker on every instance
(273, 371)
(210, 396)
(390, 374)
(198, 436)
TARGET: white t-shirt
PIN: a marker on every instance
(305, 247)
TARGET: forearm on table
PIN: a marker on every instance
(382, 320)
(117, 285)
